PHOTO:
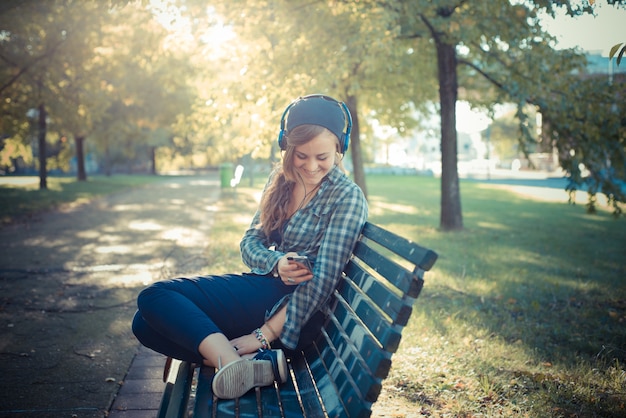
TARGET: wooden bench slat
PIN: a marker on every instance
(387, 334)
(356, 369)
(247, 406)
(345, 363)
(392, 272)
(387, 300)
(378, 361)
(203, 407)
(266, 399)
(307, 389)
(322, 381)
(363, 386)
(334, 382)
(407, 249)
(397, 308)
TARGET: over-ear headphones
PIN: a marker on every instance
(317, 109)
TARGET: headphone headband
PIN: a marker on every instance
(317, 109)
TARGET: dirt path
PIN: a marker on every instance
(68, 283)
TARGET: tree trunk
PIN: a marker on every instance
(81, 174)
(43, 170)
(451, 216)
(355, 146)
(153, 161)
(108, 169)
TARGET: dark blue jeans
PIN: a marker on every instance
(174, 316)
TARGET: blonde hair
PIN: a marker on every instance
(275, 202)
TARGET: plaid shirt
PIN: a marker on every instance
(325, 230)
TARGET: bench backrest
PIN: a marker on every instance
(368, 311)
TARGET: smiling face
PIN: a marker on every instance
(315, 158)
(311, 152)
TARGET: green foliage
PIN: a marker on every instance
(101, 72)
(504, 137)
(589, 132)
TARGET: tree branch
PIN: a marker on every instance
(484, 74)
(29, 65)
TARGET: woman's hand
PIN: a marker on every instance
(292, 272)
(246, 344)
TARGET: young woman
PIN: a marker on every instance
(309, 208)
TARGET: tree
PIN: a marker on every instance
(591, 139)
(86, 61)
(501, 42)
(28, 48)
(148, 86)
(45, 46)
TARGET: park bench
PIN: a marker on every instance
(341, 373)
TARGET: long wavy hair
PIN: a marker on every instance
(275, 201)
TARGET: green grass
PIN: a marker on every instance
(21, 197)
(524, 313)
(232, 218)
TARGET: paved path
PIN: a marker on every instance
(140, 394)
(68, 284)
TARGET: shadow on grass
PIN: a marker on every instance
(22, 201)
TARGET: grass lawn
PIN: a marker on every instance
(524, 313)
(21, 198)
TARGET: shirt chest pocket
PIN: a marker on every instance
(319, 218)
(307, 229)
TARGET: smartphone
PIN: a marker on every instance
(302, 259)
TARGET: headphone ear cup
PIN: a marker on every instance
(346, 142)
(346, 138)
(281, 134)
(283, 122)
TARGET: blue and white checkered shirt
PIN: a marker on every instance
(325, 230)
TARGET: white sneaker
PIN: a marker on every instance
(238, 377)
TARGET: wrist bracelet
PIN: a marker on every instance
(265, 344)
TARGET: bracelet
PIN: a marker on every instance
(261, 337)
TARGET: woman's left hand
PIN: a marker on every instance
(245, 344)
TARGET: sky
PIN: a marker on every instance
(591, 33)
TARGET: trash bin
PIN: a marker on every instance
(226, 174)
